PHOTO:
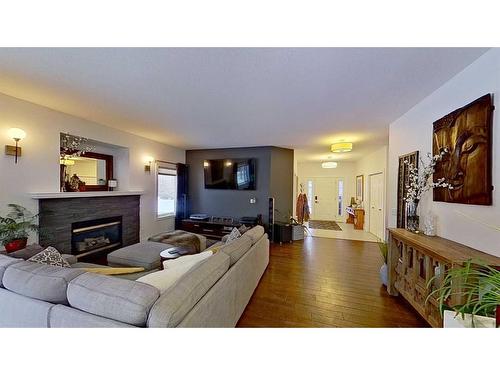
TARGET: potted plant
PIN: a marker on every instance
(384, 250)
(16, 226)
(478, 291)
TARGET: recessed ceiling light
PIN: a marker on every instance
(341, 147)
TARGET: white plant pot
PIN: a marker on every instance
(383, 274)
(452, 320)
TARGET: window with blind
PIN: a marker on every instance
(166, 189)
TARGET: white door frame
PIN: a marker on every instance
(335, 215)
(384, 203)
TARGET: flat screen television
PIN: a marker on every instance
(233, 174)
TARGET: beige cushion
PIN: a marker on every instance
(237, 248)
(177, 301)
(255, 233)
(163, 280)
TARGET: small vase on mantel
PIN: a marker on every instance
(412, 219)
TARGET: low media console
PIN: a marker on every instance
(214, 229)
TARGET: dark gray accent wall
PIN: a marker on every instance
(236, 203)
(281, 184)
(57, 215)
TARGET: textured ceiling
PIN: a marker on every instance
(228, 97)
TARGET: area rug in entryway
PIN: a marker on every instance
(324, 224)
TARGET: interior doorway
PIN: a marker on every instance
(376, 217)
(326, 197)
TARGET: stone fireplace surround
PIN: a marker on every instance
(58, 211)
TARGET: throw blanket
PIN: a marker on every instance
(178, 238)
(114, 270)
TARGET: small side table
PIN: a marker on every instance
(174, 253)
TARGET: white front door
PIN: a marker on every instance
(325, 195)
(376, 212)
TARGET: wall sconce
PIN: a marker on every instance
(149, 161)
(17, 135)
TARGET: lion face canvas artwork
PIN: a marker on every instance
(466, 136)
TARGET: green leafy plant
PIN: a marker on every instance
(476, 285)
(384, 250)
(17, 225)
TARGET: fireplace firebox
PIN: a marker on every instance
(93, 237)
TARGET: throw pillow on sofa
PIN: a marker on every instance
(243, 229)
(51, 257)
(234, 235)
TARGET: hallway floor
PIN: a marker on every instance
(347, 233)
(323, 282)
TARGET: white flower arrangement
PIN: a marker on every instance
(419, 180)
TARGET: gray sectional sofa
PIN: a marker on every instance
(212, 294)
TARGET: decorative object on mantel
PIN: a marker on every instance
(75, 184)
(17, 135)
(467, 135)
(16, 226)
(73, 145)
(479, 288)
(419, 182)
(404, 162)
(112, 184)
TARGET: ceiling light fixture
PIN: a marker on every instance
(329, 164)
(341, 147)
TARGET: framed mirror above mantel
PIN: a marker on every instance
(88, 171)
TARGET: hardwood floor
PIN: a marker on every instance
(324, 282)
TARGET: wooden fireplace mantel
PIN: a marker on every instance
(414, 259)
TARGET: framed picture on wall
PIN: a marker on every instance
(360, 180)
(466, 136)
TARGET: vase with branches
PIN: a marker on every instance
(419, 182)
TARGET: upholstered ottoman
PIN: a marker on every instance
(144, 254)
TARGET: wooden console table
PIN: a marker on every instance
(414, 259)
(356, 217)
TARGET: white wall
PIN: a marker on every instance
(38, 168)
(344, 169)
(372, 163)
(413, 131)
